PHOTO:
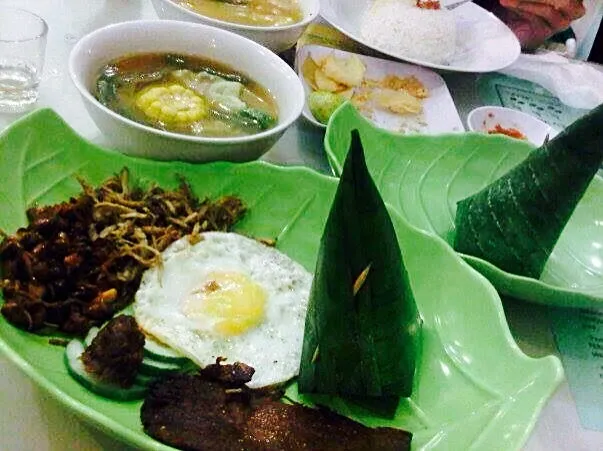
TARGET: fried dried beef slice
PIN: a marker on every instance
(116, 353)
(196, 412)
(233, 375)
(275, 426)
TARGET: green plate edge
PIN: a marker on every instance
(491, 394)
(423, 177)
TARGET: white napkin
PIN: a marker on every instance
(576, 83)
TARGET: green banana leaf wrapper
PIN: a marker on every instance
(515, 222)
(362, 328)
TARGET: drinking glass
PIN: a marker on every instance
(22, 49)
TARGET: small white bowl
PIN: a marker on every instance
(96, 49)
(484, 119)
(276, 38)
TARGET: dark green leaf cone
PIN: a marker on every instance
(362, 345)
(515, 222)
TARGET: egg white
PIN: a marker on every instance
(272, 348)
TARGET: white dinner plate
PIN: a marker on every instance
(439, 112)
(483, 44)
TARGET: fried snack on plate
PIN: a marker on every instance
(333, 74)
(308, 69)
(324, 83)
(346, 71)
(397, 101)
(411, 84)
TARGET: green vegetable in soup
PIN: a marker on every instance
(175, 60)
(258, 118)
(180, 61)
(226, 76)
(106, 85)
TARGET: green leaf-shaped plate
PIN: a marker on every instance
(423, 177)
(474, 390)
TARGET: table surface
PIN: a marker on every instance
(29, 419)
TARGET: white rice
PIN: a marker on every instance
(401, 28)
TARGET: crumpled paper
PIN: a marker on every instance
(576, 83)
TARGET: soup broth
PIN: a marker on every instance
(249, 12)
(185, 94)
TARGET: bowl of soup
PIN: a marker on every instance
(276, 24)
(173, 90)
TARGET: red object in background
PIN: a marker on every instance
(428, 4)
(512, 132)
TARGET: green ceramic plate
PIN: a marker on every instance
(475, 389)
(424, 177)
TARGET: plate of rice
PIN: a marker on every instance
(399, 97)
(464, 39)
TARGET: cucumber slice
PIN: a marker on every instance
(93, 332)
(155, 350)
(73, 361)
(144, 380)
(128, 310)
(156, 368)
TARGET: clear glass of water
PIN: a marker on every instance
(22, 50)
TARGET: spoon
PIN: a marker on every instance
(454, 5)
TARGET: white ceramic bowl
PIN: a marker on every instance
(485, 118)
(277, 38)
(261, 65)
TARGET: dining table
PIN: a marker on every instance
(31, 419)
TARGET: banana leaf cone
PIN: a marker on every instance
(362, 327)
(515, 222)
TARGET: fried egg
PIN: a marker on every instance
(228, 296)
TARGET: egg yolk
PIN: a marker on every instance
(231, 301)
